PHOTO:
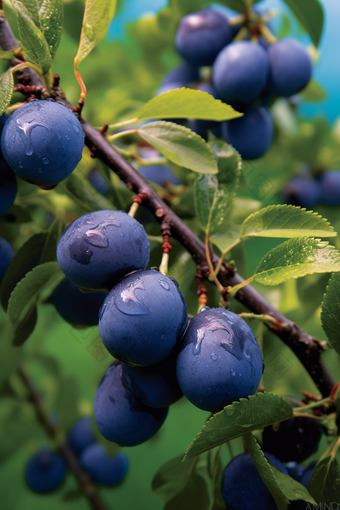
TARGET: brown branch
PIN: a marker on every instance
(84, 480)
(304, 346)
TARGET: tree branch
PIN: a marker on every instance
(83, 479)
(304, 346)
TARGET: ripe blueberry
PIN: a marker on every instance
(42, 142)
(104, 470)
(100, 247)
(45, 471)
(142, 318)
(120, 416)
(290, 67)
(220, 360)
(201, 35)
(240, 71)
(76, 307)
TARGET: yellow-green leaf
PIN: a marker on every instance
(6, 89)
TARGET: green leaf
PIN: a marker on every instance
(187, 103)
(9, 356)
(26, 326)
(6, 89)
(23, 261)
(18, 214)
(49, 253)
(324, 484)
(226, 239)
(214, 195)
(181, 486)
(97, 18)
(314, 93)
(28, 287)
(310, 14)
(286, 221)
(85, 194)
(180, 145)
(282, 487)
(47, 15)
(246, 415)
(32, 40)
(330, 312)
(10, 54)
(295, 258)
(237, 5)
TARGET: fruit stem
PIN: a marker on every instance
(122, 124)
(315, 404)
(164, 264)
(336, 446)
(32, 66)
(319, 419)
(133, 209)
(80, 81)
(122, 133)
(267, 319)
(237, 20)
(267, 34)
(234, 290)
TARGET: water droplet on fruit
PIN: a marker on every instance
(26, 126)
(204, 308)
(20, 165)
(240, 374)
(95, 235)
(214, 357)
(67, 137)
(174, 281)
(76, 129)
(196, 348)
(164, 285)
(39, 170)
(154, 268)
(232, 372)
(129, 302)
(45, 161)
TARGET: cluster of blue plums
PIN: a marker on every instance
(46, 470)
(289, 442)
(213, 359)
(245, 74)
(306, 191)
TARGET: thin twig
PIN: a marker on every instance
(52, 430)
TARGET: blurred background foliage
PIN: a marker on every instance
(123, 72)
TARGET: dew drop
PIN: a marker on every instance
(96, 237)
(164, 285)
(45, 161)
(214, 357)
(232, 372)
(76, 129)
(20, 165)
(154, 268)
(204, 308)
(196, 348)
(129, 303)
(40, 171)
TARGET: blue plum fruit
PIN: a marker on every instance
(307, 474)
(99, 248)
(240, 474)
(45, 471)
(104, 470)
(219, 360)
(98, 182)
(291, 67)
(252, 134)
(184, 73)
(6, 255)
(157, 385)
(142, 317)
(8, 187)
(201, 126)
(42, 142)
(81, 436)
(295, 470)
(295, 439)
(120, 416)
(201, 35)
(329, 186)
(240, 71)
(303, 192)
(76, 307)
(160, 174)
